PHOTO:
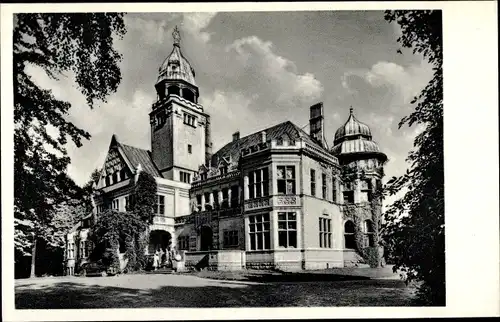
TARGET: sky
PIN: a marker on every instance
(255, 70)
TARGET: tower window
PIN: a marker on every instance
(190, 148)
(174, 90)
(188, 94)
(189, 119)
(185, 177)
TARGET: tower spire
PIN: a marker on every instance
(177, 36)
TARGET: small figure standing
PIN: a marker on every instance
(156, 260)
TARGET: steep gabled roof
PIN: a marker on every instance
(286, 129)
(138, 156)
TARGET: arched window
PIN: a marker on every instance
(369, 233)
(349, 239)
(188, 94)
(174, 90)
(115, 177)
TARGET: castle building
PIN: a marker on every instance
(271, 199)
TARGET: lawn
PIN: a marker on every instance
(250, 289)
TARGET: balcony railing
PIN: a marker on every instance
(272, 201)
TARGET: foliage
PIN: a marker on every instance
(110, 228)
(414, 230)
(144, 205)
(58, 44)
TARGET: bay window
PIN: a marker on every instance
(286, 180)
(258, 183)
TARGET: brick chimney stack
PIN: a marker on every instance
(316, 129)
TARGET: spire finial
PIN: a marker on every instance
(177, 36)
(351, 110)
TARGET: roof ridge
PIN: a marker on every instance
(134, 147)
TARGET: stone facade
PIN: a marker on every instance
(272, 199)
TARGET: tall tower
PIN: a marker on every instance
(180, 129)
(354, 148)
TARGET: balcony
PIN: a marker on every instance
(272, 201)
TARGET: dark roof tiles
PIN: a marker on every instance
(140, 156)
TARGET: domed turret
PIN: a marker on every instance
(352, 128)
(176, 76)
(353, 140)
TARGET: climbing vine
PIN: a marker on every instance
(144, 197)
(129, 228)
(359, 212)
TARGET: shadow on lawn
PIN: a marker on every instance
(71, 295)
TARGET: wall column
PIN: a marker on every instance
(219, 197)
(211, 198)
(245, 187)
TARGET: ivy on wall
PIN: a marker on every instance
(350, 174)
(128, 227)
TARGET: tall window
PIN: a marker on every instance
(190, 148)
(231, 238)
(286, 180)
(366, 191)
(260, 232)
(183, 242)
(206, 197)
(160, 205)
(115, 177)
(349, 239)
(225, 197)
(115, 204)
(189, 119)
(108, 181)
(71, 250)
(313, 182)
(287, 229)
(216, 198)
(235, 191)
(369, 238)
(82, 249)
(258, 183)
(123, 174)
(185, 177)
(334, 190)
(323, 186)
(198, 202)
(223, 170)
(325, 233)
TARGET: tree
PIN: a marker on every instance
(76, 43)
(414, 230)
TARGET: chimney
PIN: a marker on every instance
(263, 136)
(236, 136)
(208, 142)
(316, 131)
